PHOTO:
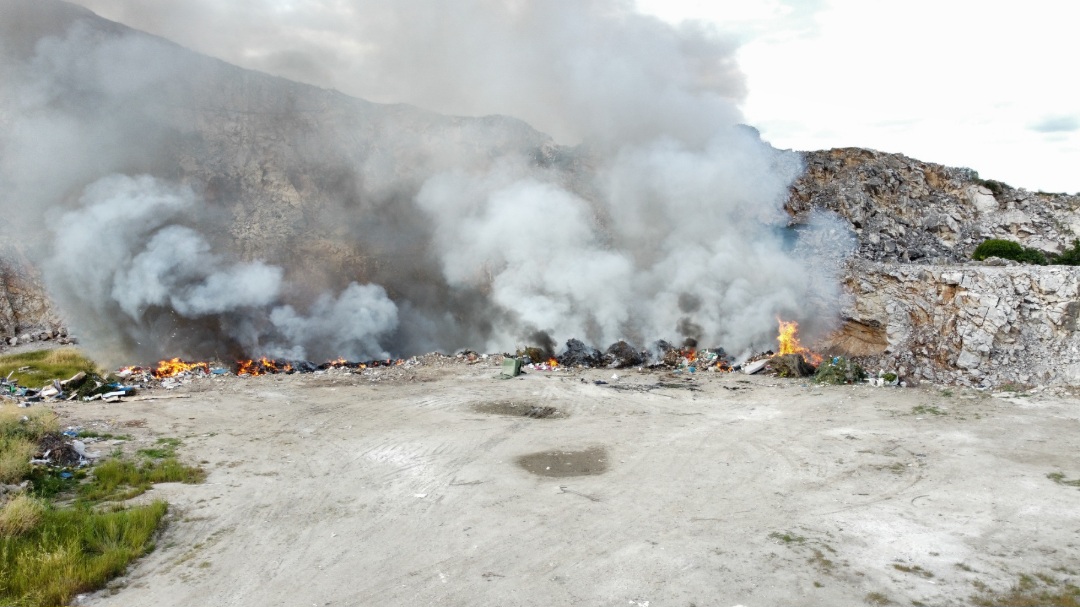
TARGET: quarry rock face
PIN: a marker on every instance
(904, 210)
(25, 310)
(916, 302)
(973, 324)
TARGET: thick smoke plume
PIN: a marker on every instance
(195, 209)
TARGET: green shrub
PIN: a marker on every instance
(997, 187)
(995, 247)
(1033, 256)
(839, 370)
(1007, 249)
(1068, 257)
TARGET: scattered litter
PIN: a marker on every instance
(80, 448)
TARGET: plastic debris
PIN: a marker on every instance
(754, 367)
(80, 448)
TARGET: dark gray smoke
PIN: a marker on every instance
(195, 209)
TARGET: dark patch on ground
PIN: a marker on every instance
(518, 409)
(658, 385)
(560, 463)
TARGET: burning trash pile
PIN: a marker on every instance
(794, 360)
(174, 372)
(622, 355)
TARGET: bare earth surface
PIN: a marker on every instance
(430, 485)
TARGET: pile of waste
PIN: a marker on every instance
(622, 355)
(82, 385)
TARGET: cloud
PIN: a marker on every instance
(1057, 124)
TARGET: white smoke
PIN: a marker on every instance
(349, 325)
(681, 241)
(667, 222)
(593, 70)
(124, 247)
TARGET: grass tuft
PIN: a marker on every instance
(877, 598)
(49, 554)
(1030, 591)
(21, 514)
(32, 423)
(913, 569)
(15, 454)
(787, 537)
(1059, 478)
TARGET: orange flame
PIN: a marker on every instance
(553, 363)
(261, 367)
(175, 366)
(789, 342)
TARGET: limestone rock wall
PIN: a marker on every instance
(25, 309)
(974, 324)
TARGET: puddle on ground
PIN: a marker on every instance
(518, 409)
(559, 463)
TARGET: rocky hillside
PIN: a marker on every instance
(916, 302)
(26, 313)
(904, 210)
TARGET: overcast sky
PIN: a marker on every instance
(988, 85)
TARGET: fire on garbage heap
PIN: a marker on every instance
(576, 354)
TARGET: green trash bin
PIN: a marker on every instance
(511, 367)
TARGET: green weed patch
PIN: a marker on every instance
(40, 367)
(73, 550)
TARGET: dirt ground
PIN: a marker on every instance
(440, 484)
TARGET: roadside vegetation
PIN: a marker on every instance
(64, 529)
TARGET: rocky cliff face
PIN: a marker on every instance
(904, 210)
(917, 304)
(26, 314)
